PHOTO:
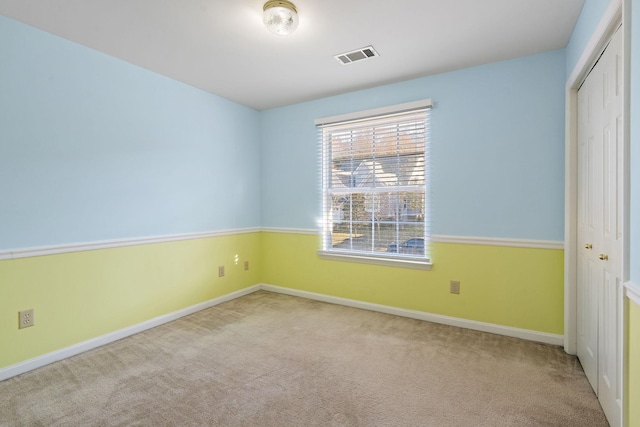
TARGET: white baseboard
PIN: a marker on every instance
(526, 334)
(45, 359)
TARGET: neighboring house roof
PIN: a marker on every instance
(379, 172)
(371, 174)
(340, 179)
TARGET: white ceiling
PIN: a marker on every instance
(223, 48)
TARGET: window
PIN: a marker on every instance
(375, 199)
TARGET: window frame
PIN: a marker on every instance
(422, 263)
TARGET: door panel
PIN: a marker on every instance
(609, 368)
(589, 194)
(600, 227)
(588, 320)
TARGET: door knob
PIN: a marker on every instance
(603, 257)
(588, 246)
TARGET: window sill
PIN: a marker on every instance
(414, 263)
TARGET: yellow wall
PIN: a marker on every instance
(83, 295)
(508, 286)
(634, 365)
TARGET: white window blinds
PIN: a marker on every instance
(375, 184)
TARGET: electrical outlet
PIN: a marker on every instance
(221, 271)
(454, 287)
(25, 318)
(246, 265)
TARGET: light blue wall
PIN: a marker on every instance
(93, 148)
(497, 149)
(590, 16)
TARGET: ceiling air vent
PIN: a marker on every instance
(356, 55)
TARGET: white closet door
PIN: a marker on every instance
(589, 281)
(600, 154)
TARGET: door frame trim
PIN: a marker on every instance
(609, 23)
(617, 13)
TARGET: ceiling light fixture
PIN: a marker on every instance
(280, 17)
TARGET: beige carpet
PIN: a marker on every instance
(273, 360)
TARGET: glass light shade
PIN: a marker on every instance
(280, 17)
